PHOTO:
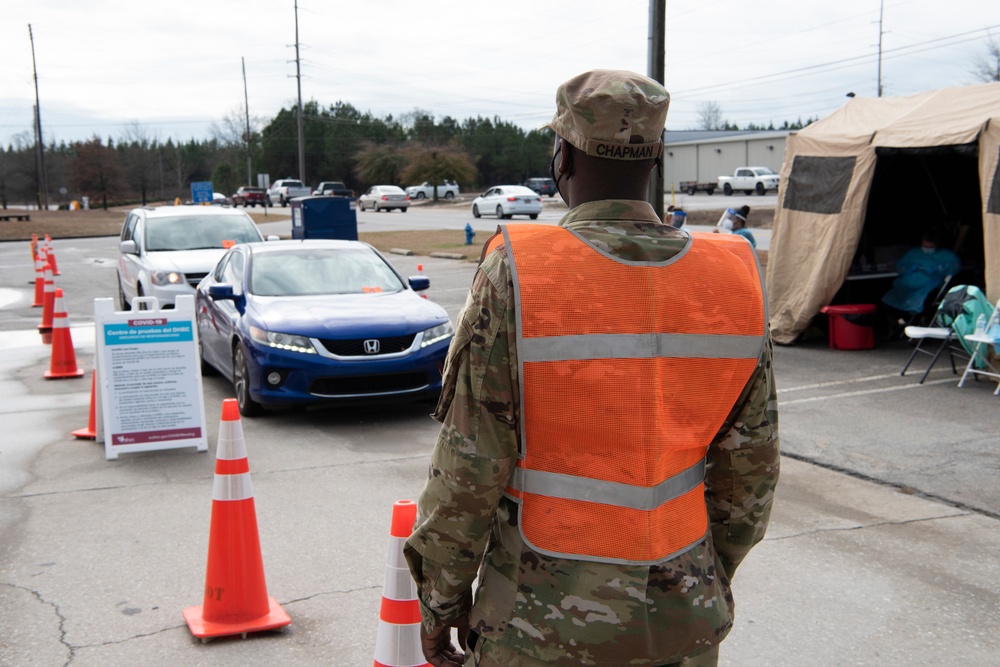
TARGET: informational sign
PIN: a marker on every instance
(149, 377)
(263, 180)
(201, 192)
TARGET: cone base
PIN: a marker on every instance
(275, 618)
(49, 375)
(85, 434)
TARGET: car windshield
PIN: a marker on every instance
(313, 271)
(193, 232)
(763, 171)
(292, 184)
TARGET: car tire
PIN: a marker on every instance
(551, 195)
(241, 382)
(692, 190)
(475, 211)
(709, 191)
(761, 190)
(500, 214)
(449, 195)
(284, 202)
(533, 216)
(404, 210)
(139, 294)
(361, 206)
(376, 209)
(420, 195)
(748, 192)
(122, 301)
(727, 188)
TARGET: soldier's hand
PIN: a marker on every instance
(437, 646)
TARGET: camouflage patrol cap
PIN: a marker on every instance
(613, 114)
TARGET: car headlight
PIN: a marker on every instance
(167, 278)
(438, 333)
(282, 341)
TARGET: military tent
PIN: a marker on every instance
(859, 186)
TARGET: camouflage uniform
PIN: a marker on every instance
(532, 609)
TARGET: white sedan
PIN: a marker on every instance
(506, 201)
(384, 198)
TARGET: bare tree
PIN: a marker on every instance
(140, 154)
(709, 116)
(987, 68)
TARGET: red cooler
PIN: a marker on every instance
(852, 326)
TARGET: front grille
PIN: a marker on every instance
(367, 384)
(356, 346)
(194, 278)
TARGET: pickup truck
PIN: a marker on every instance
(749, 179)
(333, 189)
(248, 196)
(284, 189)
(447, 190)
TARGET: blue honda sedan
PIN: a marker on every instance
(310, 321)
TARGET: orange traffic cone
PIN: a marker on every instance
(48, 302)
(34, 246)
(236, 600)
(39, 283)
(51, 254)
(90, 433)
(63, 364)
(397, 643)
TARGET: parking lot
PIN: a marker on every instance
(882, 549)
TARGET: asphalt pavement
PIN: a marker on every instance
(882, 548)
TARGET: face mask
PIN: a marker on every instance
(928, 251)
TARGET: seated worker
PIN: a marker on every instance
(921, 270)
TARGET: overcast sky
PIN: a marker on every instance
(174, 67)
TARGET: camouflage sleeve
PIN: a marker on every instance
(474, 454)
(743, 468)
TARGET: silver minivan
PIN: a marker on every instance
(166, 251)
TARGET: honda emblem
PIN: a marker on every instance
(372, 346)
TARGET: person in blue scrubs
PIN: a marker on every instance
(921, 271)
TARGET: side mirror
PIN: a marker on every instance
(221, 291)
(419, 283)
(128, 247)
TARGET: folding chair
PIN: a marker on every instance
(918, 318)
(951, 321)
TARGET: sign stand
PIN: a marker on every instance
(149, 386)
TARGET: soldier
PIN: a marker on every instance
(608, 450)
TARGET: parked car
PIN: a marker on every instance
(166, 251)
(384, 198)
(446, 190)
(299, 322)
(285, 189)
(249, 196)
(543, 186)
(506, 201)
(220, 199)
(333, 189)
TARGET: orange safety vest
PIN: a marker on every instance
(627, 372)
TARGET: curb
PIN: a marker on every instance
(400, 251)
(447, 255)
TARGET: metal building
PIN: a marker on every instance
(703, 155)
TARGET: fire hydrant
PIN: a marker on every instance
(470, 234)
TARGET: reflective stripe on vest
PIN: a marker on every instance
(627, 372)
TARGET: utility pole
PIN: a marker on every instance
(246, 107)
(656, 70)
(881, 8)
(298, 76)
(43, 190)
